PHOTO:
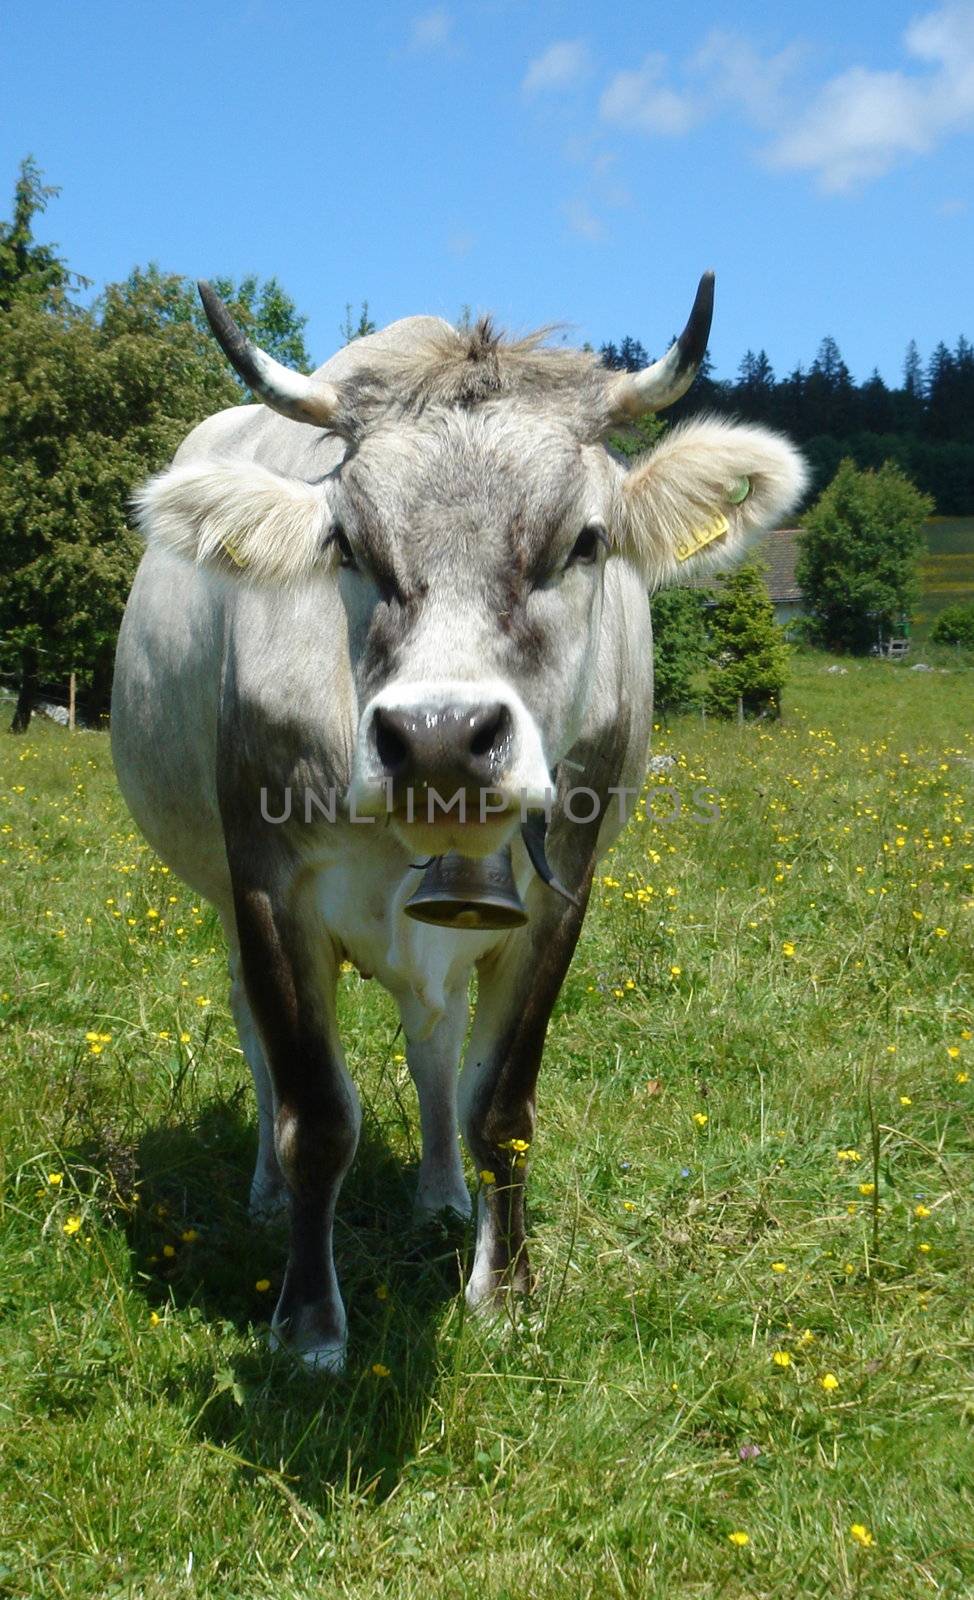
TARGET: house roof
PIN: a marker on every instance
(778, 551)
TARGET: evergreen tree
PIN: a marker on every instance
(857, 566)
(749, 655)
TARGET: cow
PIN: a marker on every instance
(389, 621)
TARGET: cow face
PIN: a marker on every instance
(470, 549)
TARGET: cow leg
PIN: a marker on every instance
(434, 1063)
(290, 971)
(268, 1191)
(516, 992)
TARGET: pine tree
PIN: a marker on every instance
(749, 655)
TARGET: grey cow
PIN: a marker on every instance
(385, 622)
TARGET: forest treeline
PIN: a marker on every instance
(926, 426)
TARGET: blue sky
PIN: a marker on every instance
(522, 157)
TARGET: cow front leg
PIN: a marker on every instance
(290, 974)
(433, 1064)
(268, 1191)
(517, 990)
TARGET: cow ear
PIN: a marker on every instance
(695, 500)
(236, 518)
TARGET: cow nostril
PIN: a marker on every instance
(490, 730)
(390, 746)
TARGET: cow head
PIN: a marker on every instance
(468, 527)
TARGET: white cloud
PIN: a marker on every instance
(955, 207)
(850, 130)
(642, 101)
(431, 31)
(862, 123)
(561, 66)
(737, 74)
(582, 220)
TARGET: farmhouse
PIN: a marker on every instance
(777, 551)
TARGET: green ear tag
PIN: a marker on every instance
(739, 491)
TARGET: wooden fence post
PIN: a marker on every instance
(71, 697)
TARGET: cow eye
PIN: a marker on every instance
(346, 555)
(586, 546)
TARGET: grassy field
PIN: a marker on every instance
(747, 1370)
(947, 570)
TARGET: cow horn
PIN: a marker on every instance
(667, 379)
(291, 393)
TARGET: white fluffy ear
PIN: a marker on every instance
(236, 517)
(696, 499)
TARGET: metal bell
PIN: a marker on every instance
(458, 892)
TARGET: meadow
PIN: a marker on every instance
(946, 569)
(747, 1367)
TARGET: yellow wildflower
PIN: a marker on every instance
(787, 949)
(72, 1225)
(829, 1381)
(55, 1178)
(739, 1538)
(867, 1188)
(922, 1211)
(779, 1266)
(379, 1371)
(487, 1176)
(262, 1285)
(781, 1358)
(701, 1118)
(189, 1236)
(168, 1251)
(154, 1319)
(861, 1534)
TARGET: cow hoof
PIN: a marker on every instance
(268, 1204)
(452, 1210)
(320, 1359)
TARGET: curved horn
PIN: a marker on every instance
(291, 393)
(670, 377)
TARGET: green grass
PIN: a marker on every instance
(749, 999)
(947, 570)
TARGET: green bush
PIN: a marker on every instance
(680, 649)
(955, 625)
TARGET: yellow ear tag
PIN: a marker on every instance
(701, 537)
(234, 554)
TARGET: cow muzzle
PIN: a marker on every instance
(453, 766)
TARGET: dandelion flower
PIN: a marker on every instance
(922, 1211)
(781, 1358)
(925, 1248)
(953, 1051)
(905, 1100)
(184, 1038)
(861, 1534)
(829, 1381)
(739, 1538)
(961, 1077)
